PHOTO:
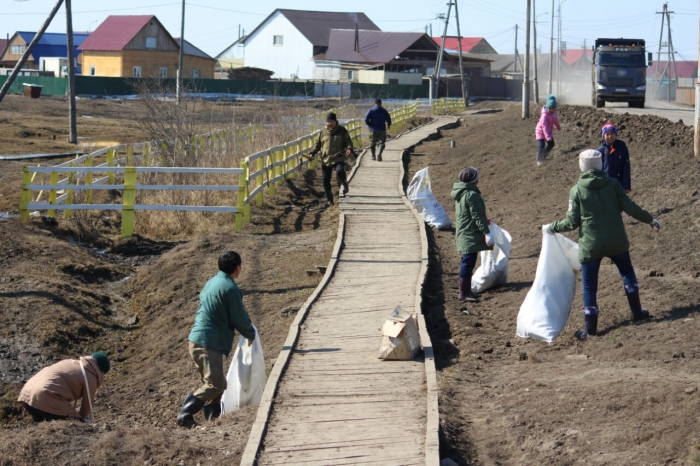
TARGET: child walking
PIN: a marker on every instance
(544, 131)
(616, 157)
(471, 228)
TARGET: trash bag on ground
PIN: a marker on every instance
(547, 305)
(421, 196)
(493, 270)
(246, 376)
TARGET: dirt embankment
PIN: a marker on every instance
(631, 395)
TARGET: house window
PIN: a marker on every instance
(277, 40)
(137, 72)
(349, 75)
(93, 71)
(151, 43)
(17, 49)
(194, 74)
(163, 72)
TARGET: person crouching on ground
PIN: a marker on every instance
(596, 204)
(50, 395)
(545, 127)
(471, 228)
(616, 157)
(378, 120)
(221, 312)
(334, 144)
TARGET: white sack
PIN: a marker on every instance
(546, 308)
(494, 263)
(421, 196)
(246, 376)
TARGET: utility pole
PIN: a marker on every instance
(465, 91)
(534, 48)
(438, 65)
(526, 75)
(551, 52)
(670, 53)
(28, 51)
(559, 49)
(696, 141)
(178, 86)
(515, 54)
(72, 116)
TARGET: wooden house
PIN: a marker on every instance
(140, 47)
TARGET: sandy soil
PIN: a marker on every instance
(628, 397)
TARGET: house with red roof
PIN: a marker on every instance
(477, 45)
(140, 47)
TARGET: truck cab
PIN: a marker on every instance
(619, 72)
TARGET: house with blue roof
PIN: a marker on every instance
(51, 45)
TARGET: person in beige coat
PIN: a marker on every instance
(53, 392)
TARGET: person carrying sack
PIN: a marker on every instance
(596, 204)
(379, 120)
(334, 144)
(52, 393)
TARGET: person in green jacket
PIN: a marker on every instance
(334, 144)
(596, 204)
(471, 228)
(221, 312)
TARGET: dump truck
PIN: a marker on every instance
(620, 71)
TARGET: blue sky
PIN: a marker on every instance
(213, 24)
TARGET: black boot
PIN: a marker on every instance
(466, 295)
(591, 327)
(346, 188)
(373, 154)
(636, 306)
(191, 406)
(329, 196)
(212, 411)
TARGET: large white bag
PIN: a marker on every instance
(246, 376)
(421, 196)
(546, 308)
(494, 263)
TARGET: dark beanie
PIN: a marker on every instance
(469, 175)
(331, 116)
(102, 362)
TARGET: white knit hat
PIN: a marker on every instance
(590, 160)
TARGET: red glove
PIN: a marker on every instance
(489, 222)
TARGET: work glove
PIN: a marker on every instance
(489, 240)
(547, 229)
(655, 225)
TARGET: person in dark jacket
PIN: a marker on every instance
(471, 228)
(378, 120)
(596, 204)
(335, 144)
(221, 312)
(616, 157)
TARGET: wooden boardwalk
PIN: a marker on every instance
(329, 400)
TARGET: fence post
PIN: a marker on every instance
(246, 174)
(88, 180)
(270, 170)
(128, 201)
(240, 204)
(129, 155)
(53, 180)
(110, 163)
(258, 182)
(26, 195)
(68, 213)
(146, 154)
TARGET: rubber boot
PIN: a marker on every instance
(374, 157)
(466, 295)
(329, 197)
(191, 406)
(212, 410)
(540, 156)
(346, 188)
(379, 155)
(591, 320)
(636, 307)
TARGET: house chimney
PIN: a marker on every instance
(357, 38)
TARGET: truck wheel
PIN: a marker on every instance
(599, 103)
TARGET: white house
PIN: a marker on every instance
(287, 40)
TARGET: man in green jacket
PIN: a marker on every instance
(596, 204)
(221, 312)
(335, 145)
(471, 228)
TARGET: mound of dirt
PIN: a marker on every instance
(629, 396)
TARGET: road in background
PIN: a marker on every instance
(673, 112)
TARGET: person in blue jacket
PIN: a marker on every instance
(378, 120)
(616, 157)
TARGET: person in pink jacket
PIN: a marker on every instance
(545, 127)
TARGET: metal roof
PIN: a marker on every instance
(451, 43)
(116, 32)
(316, 25)
(192, 50)
(52, 44)
(375, 46)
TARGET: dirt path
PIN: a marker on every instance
(628, 397)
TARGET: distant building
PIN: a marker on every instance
(287, 41)
(3, 44)
(51, 45)
(139, 46)
(475, 45)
